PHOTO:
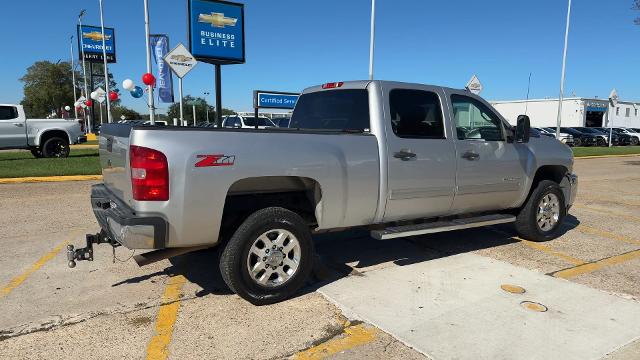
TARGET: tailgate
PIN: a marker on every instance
(114, 159)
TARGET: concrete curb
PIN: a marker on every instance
(605, 156)
(38, 179)
(84, 146)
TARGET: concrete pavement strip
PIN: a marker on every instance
(454, 307)
(37, 179)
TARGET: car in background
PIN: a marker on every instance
(580, 138)
(247, 122)
(623, 139)
(564, 137)
(602, 138)
(282, 122)
(635, 136)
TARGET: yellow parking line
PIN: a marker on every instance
(15, 282)
(604, 156)
(353, 336)
(158, 347)
(585, 229)
(35, 179)
(582, 199)
(615, 213)
(591, 267)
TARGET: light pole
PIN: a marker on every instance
(564, 63)
(84, 71)
(73, 77)
(106, 71)
(152, 110)
(206, 93)
(373, 36)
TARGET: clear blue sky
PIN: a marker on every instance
(292, 44)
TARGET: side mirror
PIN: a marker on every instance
(523, 129)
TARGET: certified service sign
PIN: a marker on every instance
(216, 31)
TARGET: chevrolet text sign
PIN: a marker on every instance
(90, 40)
(216, 31)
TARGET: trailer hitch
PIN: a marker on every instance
(86, 253)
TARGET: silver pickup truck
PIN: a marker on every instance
(44, 137)
(399, 159)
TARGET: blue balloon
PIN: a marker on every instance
(137, 92)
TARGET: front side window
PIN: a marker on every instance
(334, 110)
(8, 113)
(474, 120)
(416, 114)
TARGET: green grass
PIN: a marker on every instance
(596, 151)
(91, 142)
(23, 164)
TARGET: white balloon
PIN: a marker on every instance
(128, 84)
(67, 108)
(94, 95)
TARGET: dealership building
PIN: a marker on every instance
(575, 112)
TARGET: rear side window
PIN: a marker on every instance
(416, 114)
(339, 110)
(8, 113)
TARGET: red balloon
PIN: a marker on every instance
(113, 96)
(149, 79)
(88, 102)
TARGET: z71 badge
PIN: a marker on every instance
(215, 160)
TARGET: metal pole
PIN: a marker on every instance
(610, 123)
(194, 114)
(219, 95)
(206, 93)
(106, 70)
(84, 73)
(101, 120)
(73, 77)
(373, 36)
(564, 63)
(152, 109)
(181, 106)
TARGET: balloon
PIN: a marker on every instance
(149, 79)
(137, 92)
(67, 108)
(128, 85)
(88, 102)
(94, 95)
(113, 96)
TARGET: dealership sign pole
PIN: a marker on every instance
(564, 63)
(104, 58)
(372, 38)
(152, 110)
(84, 72)
(181, 62)
(613, 102)
(216, 36)
(73, 78)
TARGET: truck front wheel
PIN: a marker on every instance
(543, 213)
(55, 147)
(269, 257)
(37, 153)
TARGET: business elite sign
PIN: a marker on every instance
(90, 43)
(216, 31)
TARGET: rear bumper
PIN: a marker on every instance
(122, 224)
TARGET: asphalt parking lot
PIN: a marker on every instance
(438, 296)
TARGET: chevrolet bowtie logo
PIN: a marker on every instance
(181, 58)
(217, 20)
(96, 36)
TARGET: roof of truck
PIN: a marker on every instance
(362, 84)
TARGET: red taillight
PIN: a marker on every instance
(332, 85)
(149, 174)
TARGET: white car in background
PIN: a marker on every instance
(635, 135)
(564, 137)
(246, 122)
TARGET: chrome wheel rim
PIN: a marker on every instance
(548, 212)
(274, 258)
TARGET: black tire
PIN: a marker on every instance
(55, 147)
(634, 141)
(235, 257)
(577, 142)
(601, 142)
(526, 220)
(37, 153)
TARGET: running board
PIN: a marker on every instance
(441, 226)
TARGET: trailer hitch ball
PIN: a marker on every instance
(71, 256)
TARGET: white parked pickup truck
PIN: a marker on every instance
(396, 158)
(44, 137)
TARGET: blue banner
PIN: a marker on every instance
(90, 40)
(216, 31)
(164, 83)
(276, 101)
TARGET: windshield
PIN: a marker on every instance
(340, 110)
(251, 121)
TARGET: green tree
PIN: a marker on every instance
(202, 107)
(129, 114)
(48, 87)
(98, 82)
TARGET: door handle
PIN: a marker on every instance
(470, 155)
(18, 124)
(404, 155)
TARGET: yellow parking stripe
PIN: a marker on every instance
(614, 213)
(158, 347)
(585, 229)
(37, 265)
(591, 267)
(35, 179)
(353, 336)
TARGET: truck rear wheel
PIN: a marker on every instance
(543, 213)
(55, 147)
(269, 257)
